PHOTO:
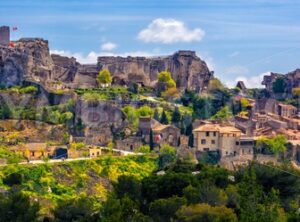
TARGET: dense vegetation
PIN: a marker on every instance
(124, 189)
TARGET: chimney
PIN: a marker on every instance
(4, 35)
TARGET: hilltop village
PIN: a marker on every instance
(53, 107)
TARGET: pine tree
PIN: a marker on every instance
(164, 119)
(176, 116)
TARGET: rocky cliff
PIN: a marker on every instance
(291, 81)
(188, 70)
(30, 60)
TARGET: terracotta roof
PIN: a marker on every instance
(161, 127)
(217, 128)
(207, 127)
(31, 146)
(228, 129)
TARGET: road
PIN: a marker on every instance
(123, 152)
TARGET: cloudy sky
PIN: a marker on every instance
(239, 39)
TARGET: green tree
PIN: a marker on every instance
(277, 144)
(223, 114)
(17, 207)
(205, 212)
(164, 118)
(128, 186)
(131, 115)
(104, 77)
(176, 116)
(166, 81)
(244, 103)
(144, 149)
(156, 115)
(215, 84)
(5, 112)
(164, 77)
(163, 210)
(75, 209)
(145, 111)
(279, 85)
(167, 156)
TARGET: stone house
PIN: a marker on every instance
(94, 152)
(166, 134)
(287, 110)
(34, 151)
(162, 134)
(224, 139)
(129, 144)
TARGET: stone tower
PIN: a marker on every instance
(4, 35)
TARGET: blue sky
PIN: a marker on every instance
(239, 39)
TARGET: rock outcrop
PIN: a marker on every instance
(291, 80)
(100, 119)
(188, 70)
(30, 60)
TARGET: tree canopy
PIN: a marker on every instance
(104, 77)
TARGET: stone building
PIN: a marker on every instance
(33, 151)
(287, 110)
(94, 152)
(162, 134)
(129, 144)
(4, 35)
(224, 139)
(166, 134)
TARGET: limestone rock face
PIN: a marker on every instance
(188, 70)
(100, 120)
(29, 60)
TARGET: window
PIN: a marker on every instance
(215, 133)
(213, 142)
(207, 133)
(203, 141)
(206, 149)
(237, 143)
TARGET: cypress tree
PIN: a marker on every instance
(176, 116)
(151, 141)
(164, 119)
(191, 140)
(156, 115)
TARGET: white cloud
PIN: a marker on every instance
(250, 82)
(169, 31)
(92, 56)
(108, 46)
